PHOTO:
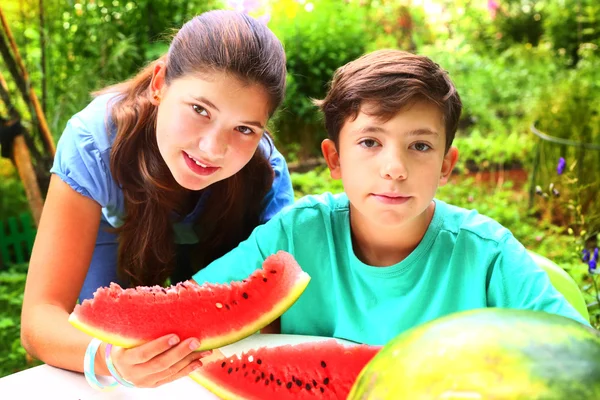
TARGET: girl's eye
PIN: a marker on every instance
(421, 147)
(245, 130)
(200, 110)
(368, 143)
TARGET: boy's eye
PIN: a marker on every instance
(368, 143)
(421, 147)
(245, 130)
(200, 110)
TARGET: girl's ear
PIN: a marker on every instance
(157, 84)
(448, 164)
(332, 158)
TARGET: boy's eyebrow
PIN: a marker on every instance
(422, 131)
(378, 129)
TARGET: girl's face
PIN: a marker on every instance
(208, 126)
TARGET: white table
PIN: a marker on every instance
(46, 382)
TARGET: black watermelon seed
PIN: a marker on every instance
(264, 279)
(223, 364)
(273, 271)
(229, 370)
(323, 364)
(262, 375)
(279, 382)
(288, 385)
(163, 290)
(321, 389)
(243, 365)
(314, 383)
(253, 371)
(259, 361)
(299, 382)
(234, 302)
(271, 376)
(266, 382)
(237, 369)
(246, 373)
(244, 280)
(326, 381)
(245, 295)
(227, 306)
(307, 386)
(257, 379)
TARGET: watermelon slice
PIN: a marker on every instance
(216, 314)
(323, 370)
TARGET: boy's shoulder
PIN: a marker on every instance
(470, 223)
(319, 205)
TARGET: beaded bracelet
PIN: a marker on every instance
(113, 370)
(88, 367)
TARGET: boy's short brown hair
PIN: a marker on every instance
(390, 80)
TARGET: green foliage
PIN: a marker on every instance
(316, 42)
(571, 110)
(12, 195)
(314, 182)
(13, 356)
(571, 24)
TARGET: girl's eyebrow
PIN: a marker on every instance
(204, 100)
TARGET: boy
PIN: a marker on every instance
(386, 256)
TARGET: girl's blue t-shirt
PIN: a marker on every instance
(82, 160)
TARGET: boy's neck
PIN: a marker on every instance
(380, 247)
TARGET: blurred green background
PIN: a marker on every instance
(516, 63)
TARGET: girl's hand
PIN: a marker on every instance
(158, 362)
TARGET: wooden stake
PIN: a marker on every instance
(22, 160)
(45, 131)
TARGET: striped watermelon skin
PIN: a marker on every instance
(215, 314)
(316, 370)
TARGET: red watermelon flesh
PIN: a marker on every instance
(323, 370)
(216, 314)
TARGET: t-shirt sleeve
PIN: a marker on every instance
(79, 163)
(518, 282)
(249, 255)
(281, 193)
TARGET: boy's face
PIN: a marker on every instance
(391, 170)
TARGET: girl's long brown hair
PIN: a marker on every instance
(216, 41)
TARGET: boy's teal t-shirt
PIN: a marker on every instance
(465, 261)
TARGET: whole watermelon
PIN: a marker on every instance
(487, 354)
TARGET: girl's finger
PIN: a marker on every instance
(166, 360)
(175, 369)
(148, 351)
(185, 371)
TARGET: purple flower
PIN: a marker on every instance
(586, 255)
(560, 168)
(595, 258)
(592, 264)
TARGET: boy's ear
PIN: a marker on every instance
(332, 158)
(448, 164)
(158, 82)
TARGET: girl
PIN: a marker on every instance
(154, 179)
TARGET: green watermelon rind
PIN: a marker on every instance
(217, 390)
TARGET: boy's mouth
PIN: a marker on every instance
(390, 198)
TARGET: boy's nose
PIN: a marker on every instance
(214, 143)
(394, 168)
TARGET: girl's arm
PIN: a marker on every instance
(59, 263)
